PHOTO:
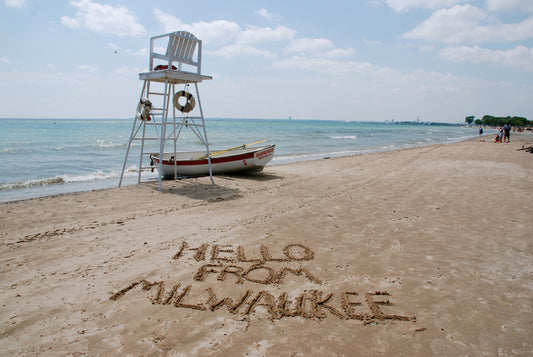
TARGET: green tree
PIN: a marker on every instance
(469, 119)
(500, 121)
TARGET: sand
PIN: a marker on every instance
(416, 252)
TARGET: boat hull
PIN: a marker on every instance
(197, 164)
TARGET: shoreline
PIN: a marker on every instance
(412, 252)
(59, 189)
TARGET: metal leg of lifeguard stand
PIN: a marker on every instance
(164, 116)
(132, 136)
(205, 134)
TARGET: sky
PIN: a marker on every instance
(368, 60)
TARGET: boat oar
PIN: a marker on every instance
(235, 148)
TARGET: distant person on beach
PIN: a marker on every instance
(501, 135)
(480, 131)
(507, 132)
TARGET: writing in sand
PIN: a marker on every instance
(225, 264)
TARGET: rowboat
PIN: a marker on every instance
(242, 159)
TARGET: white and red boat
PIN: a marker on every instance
(239, 159)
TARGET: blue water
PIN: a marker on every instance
(40, 157)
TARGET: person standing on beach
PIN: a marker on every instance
(501, 135)
(507, 132)
(480, 131)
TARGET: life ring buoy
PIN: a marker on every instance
(143, 109)
(140, 109)
(189, 106)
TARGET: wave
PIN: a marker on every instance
(31, 183)
(290, 158)
(460, 138)
(13, 150)
(108, 144)
(70, 179)
(7, 151)
(349, 137)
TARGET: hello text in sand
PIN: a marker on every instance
(235, 265)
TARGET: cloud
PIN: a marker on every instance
(254, 34)
(170, 22)
(373, 42)
(145, 52)
(509, 5)
(309, 45)
(15, 3)
(404, 5)
(4, 60)
(88, 68)
(127, 71)
(317, 47)
(219, 31)
(448, 25)
(339, 53)
(264, 13)
(330, 66)
(70, 22)
(461, 24)
(241, 49)
(519, 57)
(103, 19)
(228, 36)
(223, 32)
(227, 39)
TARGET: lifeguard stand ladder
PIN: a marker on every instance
(153, 116)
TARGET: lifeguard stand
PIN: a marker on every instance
(179, 64)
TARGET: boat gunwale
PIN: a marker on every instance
(191, 157)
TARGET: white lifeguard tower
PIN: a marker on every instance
(175, 60)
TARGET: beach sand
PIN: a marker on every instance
(417, 252)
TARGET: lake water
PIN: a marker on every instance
(40, 157)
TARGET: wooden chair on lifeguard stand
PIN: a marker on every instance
(179, 64)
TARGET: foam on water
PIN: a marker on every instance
(348, 137)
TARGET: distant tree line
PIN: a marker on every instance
(490, 120)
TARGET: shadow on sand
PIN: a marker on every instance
(258, 176)
(207, 191)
